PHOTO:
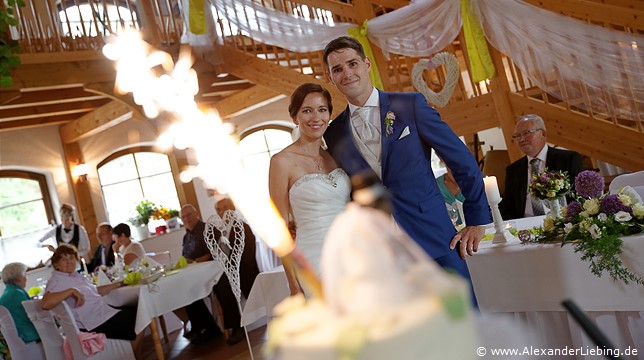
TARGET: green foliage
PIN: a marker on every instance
(8, 58)
(144, 210)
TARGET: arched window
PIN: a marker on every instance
(131, 175)
(25, 205)
(259, 144)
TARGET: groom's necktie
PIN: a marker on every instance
(537, 206)
(367, 132)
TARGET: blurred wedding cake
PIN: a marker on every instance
(384, 299)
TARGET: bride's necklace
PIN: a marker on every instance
(317, 163)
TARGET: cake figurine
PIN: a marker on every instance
(384, 298)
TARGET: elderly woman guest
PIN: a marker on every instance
(14, 275)
(68, 232)
(89, 309)
(125, 246)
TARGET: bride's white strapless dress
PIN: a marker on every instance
(316, 199)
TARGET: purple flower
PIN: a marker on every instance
(611, 204)
(573, 209)
(589, 184)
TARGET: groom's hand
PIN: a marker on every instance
(469, 237)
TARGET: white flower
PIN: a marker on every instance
(602, 217)
(622, 216)
(638, 210)
(625, 199)
(548, 223)
(591, 207)
(633, 196)
(568, 227)
(594, 231)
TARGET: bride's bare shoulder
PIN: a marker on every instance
(287, 155)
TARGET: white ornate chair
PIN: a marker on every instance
(634, 180)
(50, 335)
(114, 349)
(18, 348)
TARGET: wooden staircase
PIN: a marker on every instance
(260, 72)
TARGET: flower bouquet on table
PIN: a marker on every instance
(594, 223)
(550, 186)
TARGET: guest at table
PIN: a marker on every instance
(248, 271)
(131, 250)
(202, 324)
(68, 233)
(14, 276)
(248, 268)
(85, 300)
(530, 135)
(104, 253)
(451, 193)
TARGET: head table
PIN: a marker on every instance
(173, 291)
(530, 281)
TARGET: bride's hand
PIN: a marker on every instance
(292, 228)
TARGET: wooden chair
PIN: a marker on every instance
(18, 348)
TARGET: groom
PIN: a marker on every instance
(392, 134)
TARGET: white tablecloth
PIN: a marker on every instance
(268, 290)
(530, 281)
(169, 293)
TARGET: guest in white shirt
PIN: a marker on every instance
(85, 299)
(125, 246)
(68, 233)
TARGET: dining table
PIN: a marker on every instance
(530, 281)
(174, 290)
(269, 289)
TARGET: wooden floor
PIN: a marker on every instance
(179, 348)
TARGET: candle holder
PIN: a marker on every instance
(502, 235)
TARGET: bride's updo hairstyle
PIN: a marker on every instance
(298, 96)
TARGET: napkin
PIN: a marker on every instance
(181, 263)
(132, 278)
(102, 278)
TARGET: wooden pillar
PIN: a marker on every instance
(364, 11)
(149, 25)
(500, 92)
(82, 193)
(185, 191)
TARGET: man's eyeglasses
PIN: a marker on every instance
(524, 133)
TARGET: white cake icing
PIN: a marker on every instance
(391, 302)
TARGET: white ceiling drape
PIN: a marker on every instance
(572, 60)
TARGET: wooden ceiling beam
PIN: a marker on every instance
(244, 99)
(108, 115)
(270, 75)
(599, 140)
(40, 97)
(73, 72)
(58, 108)
(36, 122)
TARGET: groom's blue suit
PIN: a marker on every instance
(418, 205)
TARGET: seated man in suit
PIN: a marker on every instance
(248, 271)
(202, 325)
(104, 254)
(530, 135)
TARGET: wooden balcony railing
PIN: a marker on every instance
(76, 25)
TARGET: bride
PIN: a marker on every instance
(305, 182)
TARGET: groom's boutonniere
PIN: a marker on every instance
(389, 122)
